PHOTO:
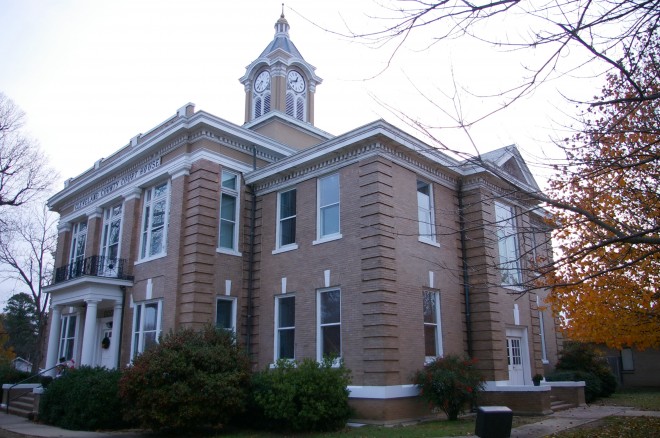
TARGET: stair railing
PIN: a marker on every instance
(10, 398)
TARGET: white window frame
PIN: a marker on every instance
(65, 323)
(320, 207)
(138, 331)
(279, 247)
(320, 325)
(234, 193)
(426, 214)
(279, 328)
(544, 350)
(627, 360)
(232, 301)
(110, 217)
(507, 245)
(437, 324)
(146, 227)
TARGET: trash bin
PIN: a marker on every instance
(493, 422)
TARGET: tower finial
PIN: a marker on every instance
(282, 26)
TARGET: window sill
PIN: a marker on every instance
(228, 252)
(286, 248)
(327, 239)
(336, 362)
(151, 258)
(428, 242)
(429, 359)
(273, 365)
(514, 288)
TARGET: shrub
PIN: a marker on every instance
(449, 383)
(303, 396)
(592, 387)
(9, 374)
(192, 379)
(84, 399)
(585, 357)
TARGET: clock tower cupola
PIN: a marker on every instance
(280, 80)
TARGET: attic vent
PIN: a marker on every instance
(511, 167)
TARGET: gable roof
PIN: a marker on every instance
(508, 160)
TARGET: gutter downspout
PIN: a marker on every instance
(250, 285)
(466, 279)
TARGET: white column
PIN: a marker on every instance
(116, 333)
(89, 334)
(53, 338)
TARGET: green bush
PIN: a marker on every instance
(84, 399)
(450, 384)
(9, 374)
(192, 379)
(592, 387)
(577, 356)
(302, 396)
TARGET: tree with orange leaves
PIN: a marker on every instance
(606, 276)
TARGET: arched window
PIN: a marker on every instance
(295, 106)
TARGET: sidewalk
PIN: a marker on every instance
(12, 426)
(575, 417)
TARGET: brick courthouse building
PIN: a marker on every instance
(306, 244)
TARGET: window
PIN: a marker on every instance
(328, 207)
(146, 326)
(544, 351)
(329, 324)
(425, 212)
(286, 213)
(110, 240)
(509, 261)
(285, 327)
(154, 221)
(225, 314)
(627, 363)
(432, 328)
(67, 337)
(295, 106)
(513, 351)
(228, 212)
(77, 256)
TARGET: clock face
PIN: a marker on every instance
(262, 81)
(295, 81)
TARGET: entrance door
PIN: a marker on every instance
(514, 358)
(104, 356)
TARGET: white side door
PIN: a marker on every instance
(514, 358)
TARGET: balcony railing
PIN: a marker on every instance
(95, 266)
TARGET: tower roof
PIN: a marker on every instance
(281, 40)
(281, 50)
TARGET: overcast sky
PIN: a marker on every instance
(92, 74)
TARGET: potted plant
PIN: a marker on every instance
(537, 379)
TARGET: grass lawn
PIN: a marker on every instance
(647, 399)
(643, 399)
(464, 426)
(616, 427)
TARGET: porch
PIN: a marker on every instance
(87, 303)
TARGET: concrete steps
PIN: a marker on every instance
(23, 405)
(559, 405)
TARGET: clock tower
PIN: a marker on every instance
(280, 82)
